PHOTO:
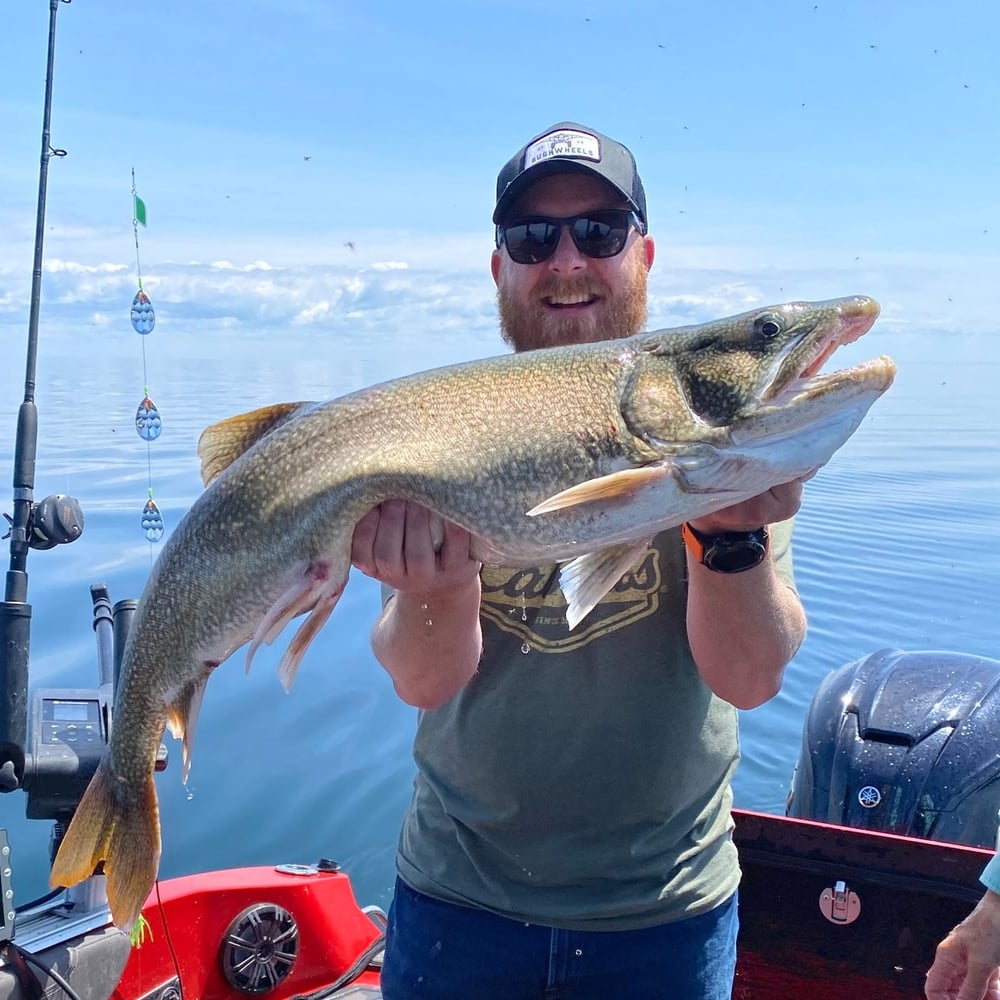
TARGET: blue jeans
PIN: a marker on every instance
(439, 951)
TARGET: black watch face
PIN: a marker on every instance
(734, 556)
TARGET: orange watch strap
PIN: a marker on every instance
(693, 542)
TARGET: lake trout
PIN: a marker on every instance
(577, 454)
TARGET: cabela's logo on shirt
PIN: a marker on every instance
(530, 604)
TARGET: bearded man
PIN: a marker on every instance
(569, 834)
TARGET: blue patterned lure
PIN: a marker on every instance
(152, 521)
(143, 317)
(148, 422)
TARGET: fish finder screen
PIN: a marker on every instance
(69, 711)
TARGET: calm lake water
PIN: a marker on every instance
(896, 545)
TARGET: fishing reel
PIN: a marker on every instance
(56, 520)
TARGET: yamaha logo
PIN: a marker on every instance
(869, 797)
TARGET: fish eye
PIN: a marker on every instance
(767, 325)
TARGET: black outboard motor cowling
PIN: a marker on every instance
(905, 743)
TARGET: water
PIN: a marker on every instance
(896, 546)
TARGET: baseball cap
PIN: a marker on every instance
(570, 148)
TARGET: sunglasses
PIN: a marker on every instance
(596, 234)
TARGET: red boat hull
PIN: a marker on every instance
(190, 920)
(903, 895)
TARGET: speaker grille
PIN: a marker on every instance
(260, 948)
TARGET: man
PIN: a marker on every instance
(569, 833)
(967, 962)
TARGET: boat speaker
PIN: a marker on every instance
(259, 948)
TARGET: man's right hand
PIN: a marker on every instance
(429, 637)
(406, 547)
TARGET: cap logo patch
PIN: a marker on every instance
(564, 142)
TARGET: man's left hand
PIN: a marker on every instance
(778, 504)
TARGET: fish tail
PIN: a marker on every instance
(120, 826)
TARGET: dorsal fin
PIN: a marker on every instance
(222, 443)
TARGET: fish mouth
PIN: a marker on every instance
(799, 369)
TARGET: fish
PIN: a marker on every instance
(577, 454)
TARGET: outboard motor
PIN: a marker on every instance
(905, 743)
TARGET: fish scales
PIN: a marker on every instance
(577, 454)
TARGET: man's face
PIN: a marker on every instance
(571, 298)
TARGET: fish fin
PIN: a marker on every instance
(182, 716)
(317, 584)
(316, 593)
(586, 579)
(222, 443)
(621, 486)
(297, 600)
(119, 825)
(307, 631)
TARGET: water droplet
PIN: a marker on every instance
(142, 315)
(428, 622)
(424, 606)
(152, 522)
(525, 648)
(189, 794)
(148, 423)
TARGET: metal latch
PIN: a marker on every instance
(840, 905)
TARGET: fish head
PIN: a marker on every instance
(752, 386)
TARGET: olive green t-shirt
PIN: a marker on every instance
(581, 779)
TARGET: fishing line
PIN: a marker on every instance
(148, 423)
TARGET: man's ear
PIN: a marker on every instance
(650, 247)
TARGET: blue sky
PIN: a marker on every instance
(789, 150)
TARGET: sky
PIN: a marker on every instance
(319, 163)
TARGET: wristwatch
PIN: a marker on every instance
(728, 551)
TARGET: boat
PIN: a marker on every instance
(828, 908)
(838, 898)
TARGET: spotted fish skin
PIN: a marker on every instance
(577, 454)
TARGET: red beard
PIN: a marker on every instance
(529, 325)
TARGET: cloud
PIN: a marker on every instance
(433, 288)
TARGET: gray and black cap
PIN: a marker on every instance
(570, 148)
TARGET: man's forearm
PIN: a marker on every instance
(743, 629)
(430, 647)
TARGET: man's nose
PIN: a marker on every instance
(567, 257)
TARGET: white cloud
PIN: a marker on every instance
(435, 288)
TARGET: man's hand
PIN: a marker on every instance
(744, 627)
(967, 961)
(409, 549)
(778, 504)
(428, 637)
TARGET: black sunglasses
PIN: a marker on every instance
(530, 240)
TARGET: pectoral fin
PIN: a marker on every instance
(616, 487)
(586, 579)
(315, 593)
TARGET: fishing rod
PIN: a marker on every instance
(55, 520)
